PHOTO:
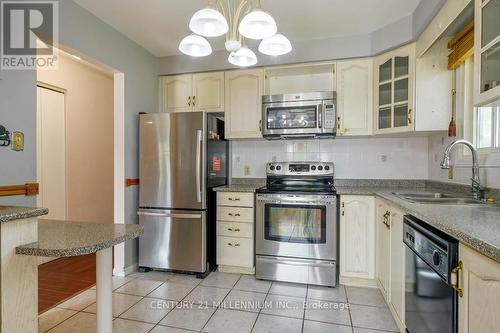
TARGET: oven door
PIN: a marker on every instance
(293, 118)
(297, 226)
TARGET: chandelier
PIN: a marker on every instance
(224, 19)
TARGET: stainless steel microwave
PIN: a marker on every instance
(295, 116)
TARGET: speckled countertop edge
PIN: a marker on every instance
(33, 249)
(484, 247)
(238, 188)
(11, 213)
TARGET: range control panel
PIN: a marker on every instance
(299, 168)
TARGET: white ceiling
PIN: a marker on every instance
(159, 25)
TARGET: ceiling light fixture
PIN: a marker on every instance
(208, 22)
(275, 45)
(244, 57)
(224, 18)
(195, 46)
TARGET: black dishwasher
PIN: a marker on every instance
(431, 300)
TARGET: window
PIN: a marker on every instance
(488, 126)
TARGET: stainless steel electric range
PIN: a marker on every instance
(296, 224)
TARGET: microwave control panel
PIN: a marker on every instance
(329, 121)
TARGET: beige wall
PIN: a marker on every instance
(89, 138)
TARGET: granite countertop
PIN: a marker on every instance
(10, 213)
(67, 238)
(475, 226)
(238, 188)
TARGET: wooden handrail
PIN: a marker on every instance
(26, 189)
(131, 182)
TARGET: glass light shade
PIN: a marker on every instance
(275, 45)
(257, 24)
(208, 22)
(244, 57)
(195, 46)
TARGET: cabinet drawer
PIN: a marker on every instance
(235, 199)
(232, 251)
(234, 229)
(236, 214)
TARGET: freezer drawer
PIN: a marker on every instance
(173, 239)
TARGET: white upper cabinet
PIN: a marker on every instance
(208, 92)
(486, 51)
(243, 94)
(434, 84)
(355, 97)
(175, 92)
(394, 90)
(357, 236)
(192, 92)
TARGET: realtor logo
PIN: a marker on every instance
(29, 32)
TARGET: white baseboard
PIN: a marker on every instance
(358, 282)
(236, 269)
(121, 271)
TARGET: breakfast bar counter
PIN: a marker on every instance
(24, 237)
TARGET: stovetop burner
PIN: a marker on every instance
(299, 177)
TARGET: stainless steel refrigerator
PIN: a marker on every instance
(182, 157)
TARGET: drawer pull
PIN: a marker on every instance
(234, 199)
(233, 245)
(235, 230)
(231, 214)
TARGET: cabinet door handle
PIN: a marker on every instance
(189, 100)
(454, 278)
(234, 199)
(231, 214)
(233, 245)
(235, 229)
(194, 100)
(260, 125)
(409, 116)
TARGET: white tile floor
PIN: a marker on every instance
(160, 302)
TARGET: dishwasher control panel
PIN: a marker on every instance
(434, 248)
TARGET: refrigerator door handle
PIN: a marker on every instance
(177, 216)
(198, 164)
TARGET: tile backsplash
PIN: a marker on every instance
(363, 158)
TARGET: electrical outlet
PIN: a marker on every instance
(450, 172)
(247, 170)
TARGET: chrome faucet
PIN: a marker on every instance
(477, 189)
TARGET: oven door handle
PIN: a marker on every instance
(307, 262)
(309, 202)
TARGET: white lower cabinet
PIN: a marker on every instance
(390, 258)
(235, 231)
(357, 237)
(480, 284)
(397, 267)
(383, 247)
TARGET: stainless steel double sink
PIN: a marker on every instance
(436, 198)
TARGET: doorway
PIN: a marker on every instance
(75, 141)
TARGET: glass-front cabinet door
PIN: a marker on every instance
(487, 50)
(394, 91)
